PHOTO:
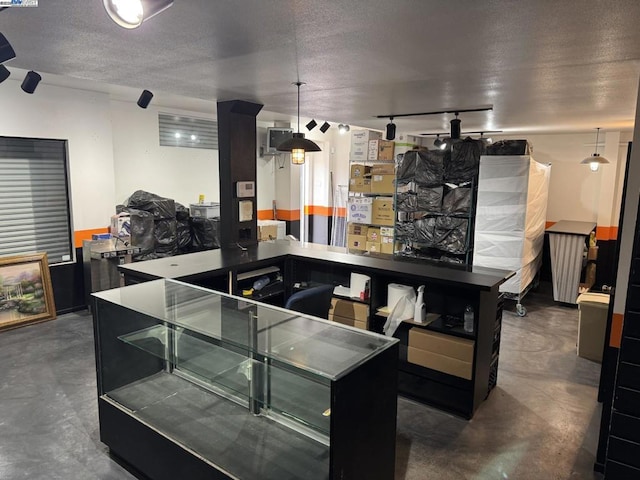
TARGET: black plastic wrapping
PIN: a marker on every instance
(509, 147)
(183, 232)
(142, 227)
(451, 234)
(161, 208)
(406, 202)
(407, 167)
(182, 212)
(457, 200)
(429, 199)
(205, 233)
(404, 230)
(166, 237)
(463, 164)
(425, 231)
(429, 167)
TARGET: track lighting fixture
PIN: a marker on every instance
(4, 73)
(455, 127)
(325, 126)
(6, 51)
(437, 142)
(342, 128)
(30, 82)
(131, 13)
(390, 133)
(595, 160)
(298, 145)
(311, 125)
(145, 99)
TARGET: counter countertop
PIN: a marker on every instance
(572, 227)
(221, 261)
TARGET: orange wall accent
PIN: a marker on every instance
(549, 224)
(616, 330)
(80, 235)
(289, 215)
(265, 214)
(607, 233)
(318, 210)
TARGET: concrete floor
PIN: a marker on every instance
(541, 421)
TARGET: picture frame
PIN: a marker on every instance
(26, 294)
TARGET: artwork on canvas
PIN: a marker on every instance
(26, 295)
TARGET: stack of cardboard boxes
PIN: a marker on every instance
(348, 312)
(445, 353)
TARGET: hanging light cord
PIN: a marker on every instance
(597, 135)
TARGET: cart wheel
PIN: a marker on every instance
(521, 310)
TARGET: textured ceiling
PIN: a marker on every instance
(544, 65)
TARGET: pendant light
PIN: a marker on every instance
(298, 145)
(595, 160)
(131, 13)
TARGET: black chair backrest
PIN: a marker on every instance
(314, 301)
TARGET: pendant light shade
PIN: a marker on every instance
(131, 13)
(595, 160)
(297, 145)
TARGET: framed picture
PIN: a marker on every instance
(26, 295)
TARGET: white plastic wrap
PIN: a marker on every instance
(511, 214)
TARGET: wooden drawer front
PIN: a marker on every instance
(626, 427)
(624, 451)
(442, 344)
(629, 375)
(627, 401)
(442, 363)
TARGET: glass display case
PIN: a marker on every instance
(193, 383)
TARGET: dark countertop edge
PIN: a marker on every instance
(485, 280)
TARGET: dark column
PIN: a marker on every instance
(237, 150)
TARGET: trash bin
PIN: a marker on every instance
(592, 324)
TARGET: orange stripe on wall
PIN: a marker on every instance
(615, 338)
(265, 214)
(289, 215)
(318, 210)
(607, 233)
(80, 235)
(549, 224)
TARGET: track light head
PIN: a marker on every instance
(131, 13)
(455, 127)
(311, 125)
(145, 99)
(342, 128)
(6, 51)
(4, 73)
(391, 130)
(325, 126)
(437, 142)
(30, 82)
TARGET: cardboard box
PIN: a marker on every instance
(383, 183)
(359, 210)
(592, 254)
(442, 363)
(383, 169)
(267, 232)
(442, 344)
(382, 211)
(381, 150)
(359, 171)
(360, 185)
(373, 234)
(120, 225)
(357, 242)
(592, 324)
(349, 321)
(360, 143)
(373, 247)
(349, 309)
(357, 229)
(204, 210)
(386, 245)
(386, 231)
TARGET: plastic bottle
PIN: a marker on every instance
(468, 319)
(419, 311)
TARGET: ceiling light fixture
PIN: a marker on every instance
(437, 142)
(311, 125)
(4, 73)
(455, 127)
(30, 82)
(131, 13)
(298, 145)
(6, 51)
(390, 133)
(438, 112)
(342, 128)
(325, 126)
(595, 160)
(145, 99)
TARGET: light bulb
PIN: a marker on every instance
(193, 137)
(130, 11)
(297, 156)
(177, 135)
(594, 166)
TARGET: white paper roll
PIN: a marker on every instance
(395, 292)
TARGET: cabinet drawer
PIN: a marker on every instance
(632, 324)
(442, 363)
(629, 375)
(442, 344)
(627, 401)
(630, 350)
(624, 451)
(619, 471)
(633, 297)
(625, 426)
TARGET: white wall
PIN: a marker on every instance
(81, 117)
(141, 163)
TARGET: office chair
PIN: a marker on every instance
(314, 301)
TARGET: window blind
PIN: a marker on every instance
(34, 198)
(179, 131)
